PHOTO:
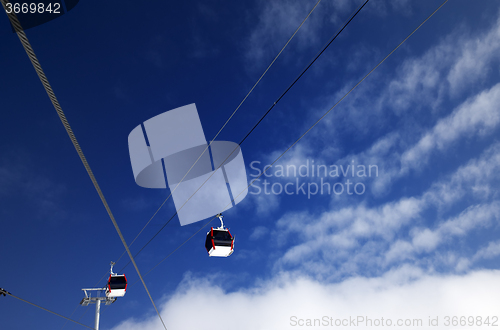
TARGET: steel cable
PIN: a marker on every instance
(307, 131)
(257, 124)
(36, 64)
(43, 308)
(223, 126)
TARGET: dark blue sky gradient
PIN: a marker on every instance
(115, 64)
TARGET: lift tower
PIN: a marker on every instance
(116, 287)
(97, 301)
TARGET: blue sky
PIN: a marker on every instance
(420, 241)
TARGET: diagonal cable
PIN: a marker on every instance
(36, 64)
(3, 292)
(261, 119)
(227, 121)
(307, 131)
(71, 316)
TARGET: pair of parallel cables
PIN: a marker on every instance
(307, 131)
(356, 11)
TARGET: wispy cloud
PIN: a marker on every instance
(425, 240)
(476, 116)
(277, 21)
(371, 233)
(459, 61)
(476, 56)
(490, 251)
(422, 84)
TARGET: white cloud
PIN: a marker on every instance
(275, 26)
(425, 239)
(360, 231)
(478, 115)
(278, 20)
(369, 232)
(476, 54)
(421, 82)
(355, 222)
(258, 233)
(399, 251)
(265, 204)
(472, 217)
(403, 293)
(462, 265)
(474, 180)
(461, 60)
(492, 250)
